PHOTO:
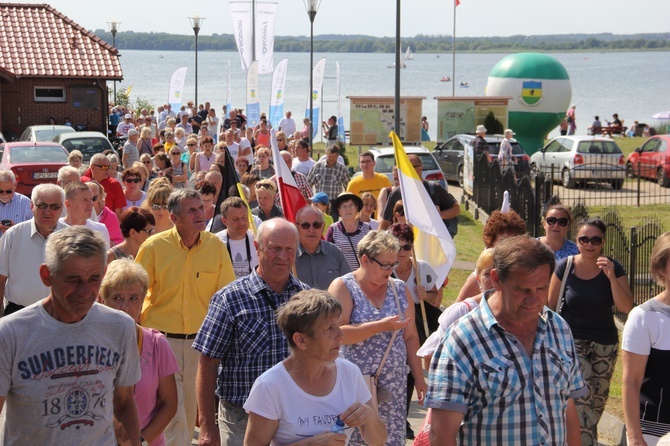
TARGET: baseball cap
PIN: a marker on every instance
(128, 117)
(320, 197)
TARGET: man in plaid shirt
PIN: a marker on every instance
(240, 334)
(328, 175)
(507, 373)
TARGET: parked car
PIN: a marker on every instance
(2, 138)
(44, 132)
(581, 159)
(33, 163)
(385, 160)
(651, 160)
(88, 143)
(449, 155)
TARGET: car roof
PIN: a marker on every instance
(49, 127)
(64, 136)
(30, 144)
(390, 150)
(487, 138)
(579, 138)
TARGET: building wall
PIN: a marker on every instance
(37, 113)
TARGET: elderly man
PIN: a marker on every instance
(186, 266)
(237, 236)
(479, 144)
(14, 207)
(115, 200)
(79, 205)
(240, 335)
(22, 249)
(130, 152)
(318, 262)
(287, 125)
(328, 175)
(70, 360)
(369, 181)
(508, 372)
(446, 205)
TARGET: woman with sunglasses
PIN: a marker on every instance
(556, 222)
(148, 174)
(132, 181)
(265, 194)
(137, 225)
(594, 284)
(156, 203)
(376, 318)
(179, 169)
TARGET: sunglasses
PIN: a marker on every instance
(315, 224)
(384, 267)
(148, 231)
(407, 247)
(10, 191)
(595, 240)
(190, 145)
(175, 153)
(562, 222)
(146, 162)
(158, 207)
(103, 167)
(132, 180)
(52, 206)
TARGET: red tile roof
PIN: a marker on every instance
(38, 41)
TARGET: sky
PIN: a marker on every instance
(475, 18)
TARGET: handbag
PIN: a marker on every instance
(379, 394)
(423, 437)
(561, 298)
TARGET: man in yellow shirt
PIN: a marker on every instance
(186, 267)
(369, 181)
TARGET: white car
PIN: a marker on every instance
(581, 159)
(385, 160)
(44, 133)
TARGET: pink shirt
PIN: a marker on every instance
(156, 361)
(111, 222)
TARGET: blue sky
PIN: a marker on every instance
(377, 17)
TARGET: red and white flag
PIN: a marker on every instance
(291, 198)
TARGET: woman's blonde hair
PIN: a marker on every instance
(377, 242)
(123, 274)
(146, 132)
(485, 261)
(660, 255)
(75, 154)
(159, 192)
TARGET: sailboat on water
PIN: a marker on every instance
(408, 54)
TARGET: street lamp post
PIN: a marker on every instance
(312, 7)
(114, 27)
(196, 23)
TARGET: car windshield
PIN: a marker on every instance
(598, 147)
(38, 154)
(49, 134)
(494, 148)
(87, 146)
(385, 163)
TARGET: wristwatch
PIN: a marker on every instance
(144, 442)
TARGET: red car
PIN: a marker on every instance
(33, 163)
(652, 160)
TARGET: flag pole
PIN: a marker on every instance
(453, 55)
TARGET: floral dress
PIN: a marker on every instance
(367, 355)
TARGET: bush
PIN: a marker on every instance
(493, 126)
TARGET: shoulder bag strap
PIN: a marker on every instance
(344, 231)
(395, 333)
(561, 298)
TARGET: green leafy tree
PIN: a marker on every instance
(493, 126)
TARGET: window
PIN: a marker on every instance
(49, 94)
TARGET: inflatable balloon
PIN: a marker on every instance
(540, 90)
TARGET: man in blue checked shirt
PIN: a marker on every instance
(240, 339)
(507, 373)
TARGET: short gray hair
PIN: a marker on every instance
(75, 241)
(377, 242)
(7, 176)
(66, 171)
(98, 157)
(179, 195)
(305, 209)
(113, 158)
(47, 189)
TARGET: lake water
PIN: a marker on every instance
(634, 85)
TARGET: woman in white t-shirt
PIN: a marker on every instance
(302, 397)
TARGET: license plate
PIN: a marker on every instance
(45, 175)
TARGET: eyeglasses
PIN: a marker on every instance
(280, 139)
(346, 207)
(315, 224)
(52, 206)
(407, 247)
(158, 207)
(386, 267)
(562, 222)
(190, 145)
(148, 231)
(595, 240)
(10, 191)
(132, 180)
(175, 153)
(103, 166)
(146, 162)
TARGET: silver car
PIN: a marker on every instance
(385, 160)
(44, 133)
(88, 143)
(577, 160)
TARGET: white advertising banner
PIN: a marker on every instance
(277, 94)
(241, 14)
(266, 15)
(175, 93)
(253, 101)
(317, 82)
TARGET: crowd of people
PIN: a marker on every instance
(262, 330)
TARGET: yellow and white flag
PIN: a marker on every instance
(432, 241)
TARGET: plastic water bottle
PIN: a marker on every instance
(339, 426)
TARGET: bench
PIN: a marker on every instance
(608, 130)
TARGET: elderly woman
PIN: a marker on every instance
(347, 232)
(156, 203)
(500, 225)
(123, 288)
(149, 175)
(556, 222)
(263, 169)
(105, 215)
(646, 357)
(145, 144)
(114, 167)
(265, 194)
(241, 166)
(594, 284)
(136, 225)
(75, 159)
(311, 383)
(132, 180)
(377, 317)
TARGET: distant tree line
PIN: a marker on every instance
(420, 44)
